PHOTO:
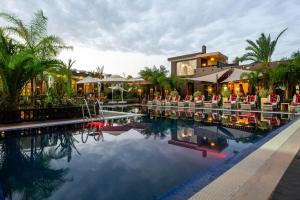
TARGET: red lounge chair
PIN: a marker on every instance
(198, 101)
(272, 102)
(175, 100)
(232, 102)
(214, 103)
(186, 102)
(250, 102)
(295, 105)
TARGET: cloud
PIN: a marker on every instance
(167, 28)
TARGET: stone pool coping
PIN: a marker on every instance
(108, 115)
(189, 188)
(256, 176)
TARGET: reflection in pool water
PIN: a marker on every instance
(140, 159)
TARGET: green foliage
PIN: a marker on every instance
(253, 78)
(156, 94)
(287, 74)
(225, 93)
(174, 93)
(197, 94)
(263, 93)
(262, 49)
(32, 54)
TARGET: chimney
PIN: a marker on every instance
(203, 49)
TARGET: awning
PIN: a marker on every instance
(212, 78)
(89, 79)
(235, 75)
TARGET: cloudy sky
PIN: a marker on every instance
(127, 35)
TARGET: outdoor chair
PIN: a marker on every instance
(186, 102)
(232, 102)
(167, 100)
(250, 103)
(155, 101)
(213, 103)
(295, 105)
(198, 101)
(175, 100)
(272, 103)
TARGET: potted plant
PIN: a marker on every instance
(174, 93)
(197, 94)
(225, 95)
(263, 94)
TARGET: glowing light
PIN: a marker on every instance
(212, 144)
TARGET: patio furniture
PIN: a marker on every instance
(272, 103)
(199, 116)
(175, 100)
(167, 101)
(295, 105)
(156, 100)
(232, 102)
(198, 101)
(250, 103)
(187, 100)
(213, 103)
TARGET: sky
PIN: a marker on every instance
(124, 36)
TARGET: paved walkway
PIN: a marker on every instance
(289, 186)
(257, 176)
(38, 124)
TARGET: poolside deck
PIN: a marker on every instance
(257, 176)
(108, 115)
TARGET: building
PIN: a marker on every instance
(203, 64)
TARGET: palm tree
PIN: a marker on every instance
(155, 76)
(287, 74)
(22, 60)
(253, 78)
(65, 70)
(262, 49)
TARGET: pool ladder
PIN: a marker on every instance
(86, 111)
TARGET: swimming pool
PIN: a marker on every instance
(140, 158)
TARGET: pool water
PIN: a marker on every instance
(141, 158)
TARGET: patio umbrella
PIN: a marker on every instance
(212, 78)
(235, 75)
(90, 79)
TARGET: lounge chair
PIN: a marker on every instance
(250, 103)
(213, 103)
(167, 101)
(198, 101)
(272, 103)
(232, 102)
(295, 105)
(155, 100)
(186, 102)
(175, 100)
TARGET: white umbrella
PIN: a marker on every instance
(212, 78)
(235, 75)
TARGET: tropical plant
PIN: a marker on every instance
(225, 93)
(65, 70)
(197, 94)
(174, 93)
(156, 76)
(30, 53)
(262, 49)
(253, 78)
(263, 93)
(287, 74)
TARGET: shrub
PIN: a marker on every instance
(174, 93)
(156, 94)
(197, 94)
(263, 93)
(225, 93)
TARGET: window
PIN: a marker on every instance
(185, 68)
